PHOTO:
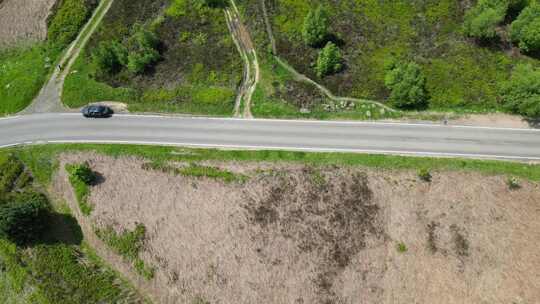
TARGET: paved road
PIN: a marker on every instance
(406, 139)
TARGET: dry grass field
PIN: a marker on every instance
(23, 21)
(298, 234)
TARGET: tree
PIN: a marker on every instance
(329, 61)
(482, 20)
(525, 30)
(142, 48)
(407, 84)
(23, 217)
(521, 94)
(109, 57)
(315, 29)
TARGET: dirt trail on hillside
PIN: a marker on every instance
(298, 234)
(251, 74)
(50, 97)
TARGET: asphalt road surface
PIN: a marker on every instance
(364, 137)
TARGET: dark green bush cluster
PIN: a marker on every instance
(213, 3)
(23, 217)
(525, 30)
(11, 170)
(315, 33)
(68, 20)
(137, 53)
(407, 84)
(482, 20)
(521, 94)
(84, 173)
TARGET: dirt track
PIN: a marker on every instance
(294, 234)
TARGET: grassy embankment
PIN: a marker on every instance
(198, 70)
(24, 69)
(57, 266)
(463, 75)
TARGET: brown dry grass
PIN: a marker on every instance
(23, 21)
(294, 234)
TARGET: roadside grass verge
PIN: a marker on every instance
(81, 189)
(48, 153)
(196, 170)
(128, 244)
(23, 71)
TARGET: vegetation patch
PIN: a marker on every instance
(165, 56)
(128, 244)
(196, 170)
(81, 178)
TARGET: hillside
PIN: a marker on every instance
(462, 74)
(251, 232)
(195, 68)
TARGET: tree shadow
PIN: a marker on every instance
(533, 122)
(98, 179)
(61, 229)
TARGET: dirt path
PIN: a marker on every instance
(251, 74)
(50, 97)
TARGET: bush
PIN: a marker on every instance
(23, 218)
(525, 30)
(109, 57)
(401, 247)
(315, 29)
(513, 183)
(84, 173)
(329, 60)
(407, 84)
(68, 20)
(425, 175)
(521, 94)
(482, 20)
(142, 49)
(10, 171)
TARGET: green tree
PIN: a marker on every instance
(329, 61)
(65, 24)
(521, 94)
(23, 217)
(407, 84)
(525, 30)
(109, 57)
(482, 20)
(142, 48)
(315, 29)
(84, 173)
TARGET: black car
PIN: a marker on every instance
(97, 111)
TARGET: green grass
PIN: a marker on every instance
(81, 189)
(401, 247)
(128, 244)
(387, 162)
(23, 71)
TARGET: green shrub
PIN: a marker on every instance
(80, 177)
(10, 171)
(66, 23)
(23, 217)
(482, 20)
(141, 49)
(109, 57)
(329, 61)
(315, 28)
(525, 30)
(513, 183)
(425, 175)
(521, 94)
(401, 247)
(407, 84)
(84, 173)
